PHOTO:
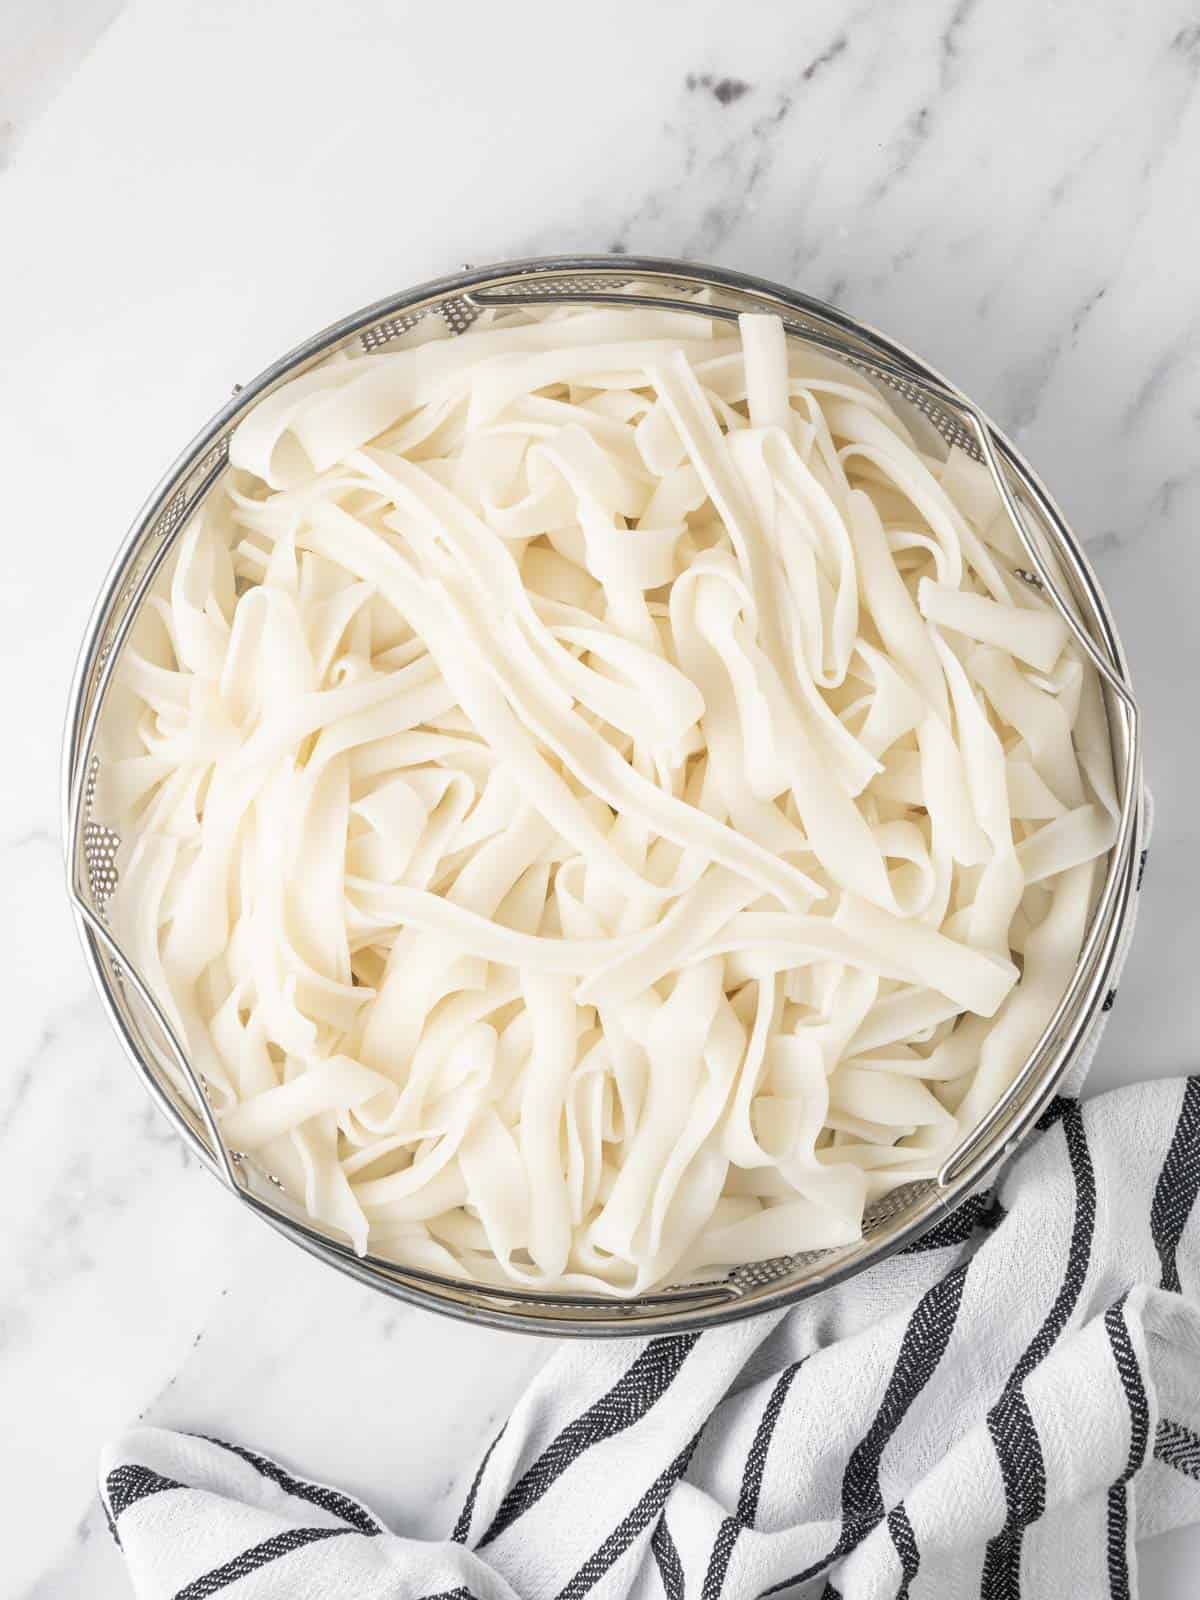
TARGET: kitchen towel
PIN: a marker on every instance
(998, 1411)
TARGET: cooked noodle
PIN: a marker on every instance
(600, 806)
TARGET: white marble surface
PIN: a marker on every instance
(187, 189)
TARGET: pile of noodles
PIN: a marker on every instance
(599, 806)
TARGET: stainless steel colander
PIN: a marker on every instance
(1055, 563)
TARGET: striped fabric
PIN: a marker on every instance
(999, 1412)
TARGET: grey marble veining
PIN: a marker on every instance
(1008, 187)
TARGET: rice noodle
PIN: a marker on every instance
(599, 806)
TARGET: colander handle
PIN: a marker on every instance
(100, 930)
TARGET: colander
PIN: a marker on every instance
(1056, 565)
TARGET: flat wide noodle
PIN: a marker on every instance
(599, 807)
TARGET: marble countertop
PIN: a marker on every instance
(190, 186)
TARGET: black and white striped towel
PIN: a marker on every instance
(997, 1412)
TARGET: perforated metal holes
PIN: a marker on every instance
(180, 503)
(100, 846)
(390, 328)
(891, 1205)
(952, 429)
(755, 1274)
(554, 288)
(459, 314)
